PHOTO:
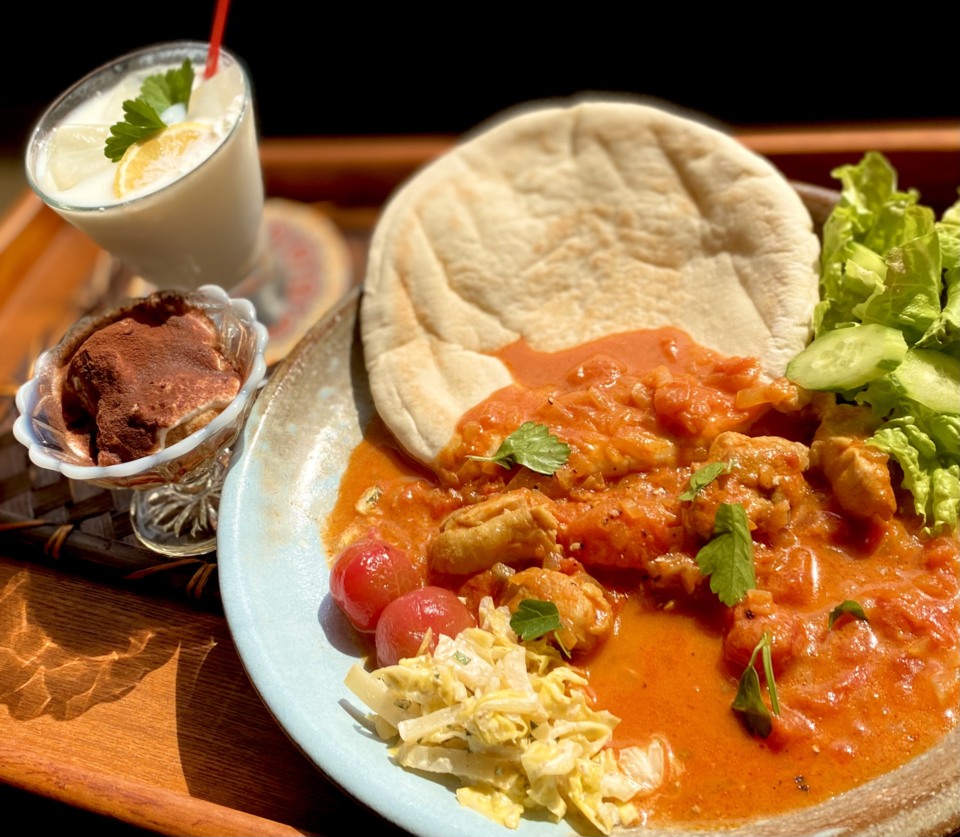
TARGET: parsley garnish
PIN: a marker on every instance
(847, 608)
(165, 90)
(748, 701)
(728, 557)
(157, 93)
(702, 477)
(532, 445)
(533, 619)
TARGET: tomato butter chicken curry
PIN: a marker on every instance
(858, 607)
(584, 331)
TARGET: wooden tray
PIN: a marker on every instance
(123, 694)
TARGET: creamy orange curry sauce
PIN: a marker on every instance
(610, 541)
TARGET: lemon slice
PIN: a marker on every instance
(76, 154)
(160, 158)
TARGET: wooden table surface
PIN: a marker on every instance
(131, 703)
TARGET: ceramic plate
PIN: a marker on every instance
(297, 648)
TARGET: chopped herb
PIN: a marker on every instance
(728, 557)
(461, 658)
(164, 90)
(157, 93)
(702, 477)
(369, 499)
(533, 619)
(750, 705)
(748, 701)
(532, 445)
(766, 643)
(847, 608)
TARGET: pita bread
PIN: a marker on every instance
(565, 224)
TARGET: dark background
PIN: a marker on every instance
(405, 69)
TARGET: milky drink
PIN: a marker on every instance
(191, 215)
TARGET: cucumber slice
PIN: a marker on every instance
(848, 358)
(931, 379)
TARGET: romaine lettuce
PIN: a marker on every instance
(886, 260)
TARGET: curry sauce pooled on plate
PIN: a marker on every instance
(646, 579)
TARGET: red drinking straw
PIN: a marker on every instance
(216, 37)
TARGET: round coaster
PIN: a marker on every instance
(310, 271)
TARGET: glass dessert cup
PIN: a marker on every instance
(204, 226)
(176, 491)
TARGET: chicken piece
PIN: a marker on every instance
(491, 582)
(844, 419)
(858, 473)
(791, 574)
(585, 612)
(508, 528)
(675, 572)
(797, 402)
(624, 527)
(611, 454)
(757, 614)
(765, 477)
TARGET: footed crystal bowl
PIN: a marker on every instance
(177, 489)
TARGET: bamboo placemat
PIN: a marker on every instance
(82, 528)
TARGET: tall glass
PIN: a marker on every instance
(205, 225)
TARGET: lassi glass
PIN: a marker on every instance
(195, 215)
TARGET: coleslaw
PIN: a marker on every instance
(514, 723)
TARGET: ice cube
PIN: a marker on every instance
(175, 113)
(76, 153)
(215, 96)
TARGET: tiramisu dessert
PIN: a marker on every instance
(143, 379)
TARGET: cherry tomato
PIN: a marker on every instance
(368, 575)
(405, 621)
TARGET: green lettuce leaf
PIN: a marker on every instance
(887, 260)
(910, 297)
(944, 332)
(930, 473)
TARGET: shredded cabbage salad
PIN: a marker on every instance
(513, 723)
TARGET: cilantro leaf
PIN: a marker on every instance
(165, 90)
(749, 703)
(142, 115)
(534, 618)
(142, 122)
(766, 650)
(702, 477)
(749, 700)
(728, 557)
(532, 445)
(846, 608)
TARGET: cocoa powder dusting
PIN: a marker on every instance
(147, 378)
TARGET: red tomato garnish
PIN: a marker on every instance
(404, 622)
(367, 576)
